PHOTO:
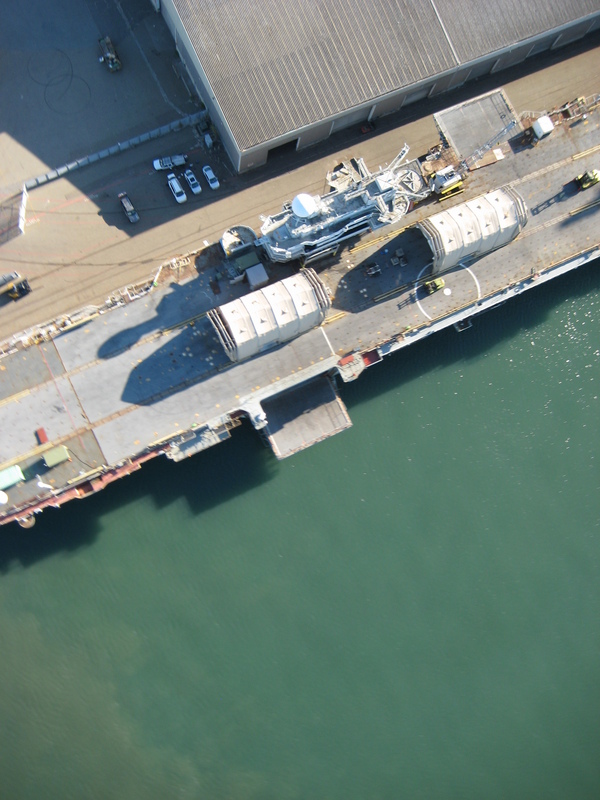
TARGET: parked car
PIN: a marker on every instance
(434, 285)
(589, 178)
(128, 208)
(210, 177)
(168, 162)
(192, 181)
(175, 187)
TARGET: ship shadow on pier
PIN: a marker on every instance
(186, 358)
(377, 272)
(182, 302)
(173, 349)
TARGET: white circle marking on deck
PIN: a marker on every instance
(447, 290)
(472, 274)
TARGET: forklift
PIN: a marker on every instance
(14, 285)
(588, 179)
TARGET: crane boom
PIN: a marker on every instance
(468, 162)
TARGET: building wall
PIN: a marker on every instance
(201, 84)
(316, 133)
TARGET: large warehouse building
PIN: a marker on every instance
(276, 73)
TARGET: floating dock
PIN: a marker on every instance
(82, 407)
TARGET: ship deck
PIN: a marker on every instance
(130, 381)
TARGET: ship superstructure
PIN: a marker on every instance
(312, 227)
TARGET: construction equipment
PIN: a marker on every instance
(445, 182)
(433, 286)
(448, 181)
(589, 178)
(14, 285)
(19, 289)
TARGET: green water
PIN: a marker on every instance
(409, 610)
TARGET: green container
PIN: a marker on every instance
(10, 476)
(56, 456)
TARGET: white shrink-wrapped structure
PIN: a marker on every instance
(474, 228)
(265, 318)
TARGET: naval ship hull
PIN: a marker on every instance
(82, 407)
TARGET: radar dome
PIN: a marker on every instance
(305, 206)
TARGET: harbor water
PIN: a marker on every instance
(408, 610)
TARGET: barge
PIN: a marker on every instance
(87, 400)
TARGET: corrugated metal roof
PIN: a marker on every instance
(477, 28)
(277, 66)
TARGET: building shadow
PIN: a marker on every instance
(9, 218)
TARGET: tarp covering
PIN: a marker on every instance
(10, 476)
(257, 276)
(474, 228)
(269, 316)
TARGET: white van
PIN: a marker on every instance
(175, 188)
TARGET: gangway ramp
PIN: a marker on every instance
(468, 125)
(303, 416)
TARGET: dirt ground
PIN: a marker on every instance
(78, 247)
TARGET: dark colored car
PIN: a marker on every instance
(128, 207)
(109, 54)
